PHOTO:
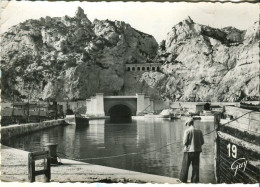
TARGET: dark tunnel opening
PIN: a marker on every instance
(120, 114)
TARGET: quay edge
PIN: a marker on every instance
(15, 130)
(15, 169)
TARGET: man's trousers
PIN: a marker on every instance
(194, 159)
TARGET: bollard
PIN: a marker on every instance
(52, 149)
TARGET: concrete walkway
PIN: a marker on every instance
(14, 168)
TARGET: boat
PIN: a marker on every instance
(250, 106)
(149, 115)
(165, 114)
(154, 116)
(196, 117)
(234, 137)
(175, 116)
(70, 119)
(203, 118)
(98, 117)
(81, 120)
(179, 113)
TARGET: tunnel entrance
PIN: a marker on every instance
(120, 114)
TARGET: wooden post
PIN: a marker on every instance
(31, 168)
(47, 168)
(31, 165)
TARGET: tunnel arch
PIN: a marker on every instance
(126, 107)
(120, 114)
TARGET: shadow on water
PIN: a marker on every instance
(81, 127)
(120, 114)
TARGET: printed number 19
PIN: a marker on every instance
(232, 148)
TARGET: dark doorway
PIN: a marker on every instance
(120, 114)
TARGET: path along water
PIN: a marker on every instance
(104, 139)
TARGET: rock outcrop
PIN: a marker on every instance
(207, 64)
(70, 57)
(74, 58)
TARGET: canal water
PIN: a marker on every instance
(148, 137)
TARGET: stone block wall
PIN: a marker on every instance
(15, 130)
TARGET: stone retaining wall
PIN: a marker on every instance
(14, 130)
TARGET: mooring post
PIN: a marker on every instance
(52, 149)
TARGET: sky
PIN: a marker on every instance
(153, 18)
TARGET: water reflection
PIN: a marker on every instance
(147, 137)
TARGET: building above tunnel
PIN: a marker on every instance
(143, 67)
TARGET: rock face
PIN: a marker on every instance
(74, 58)
(206, 64)
(70, 57)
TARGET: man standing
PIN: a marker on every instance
(192, 141)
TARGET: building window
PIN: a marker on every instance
(153, 68)
(148, 68)
(158, 69)
(143, 68)
(128, 69)
(138, 68)
(133, 68)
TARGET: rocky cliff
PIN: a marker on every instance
(201, 63)
(70, 57)
(73, 58)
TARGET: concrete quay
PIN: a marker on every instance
(15, 130)
(14, 168)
